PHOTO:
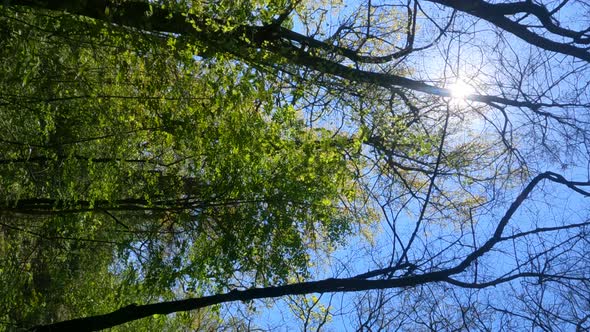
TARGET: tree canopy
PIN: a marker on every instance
(427, 159)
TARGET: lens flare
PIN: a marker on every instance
(460, 90)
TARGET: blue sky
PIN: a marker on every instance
(489, 62)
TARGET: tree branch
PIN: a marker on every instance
(495, 14)
(247, 42)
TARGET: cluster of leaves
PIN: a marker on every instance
(132, 171)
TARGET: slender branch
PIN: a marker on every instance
(134, 312)
(495, 14)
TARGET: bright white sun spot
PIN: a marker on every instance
(460, 89)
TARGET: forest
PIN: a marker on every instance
(277, 165)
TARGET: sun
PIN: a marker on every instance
(461, 90)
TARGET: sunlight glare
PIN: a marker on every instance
(460, 89)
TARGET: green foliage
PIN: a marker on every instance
(132, 171)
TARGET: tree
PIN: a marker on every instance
(461, 180)
(153, 185)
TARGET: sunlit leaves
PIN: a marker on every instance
(134, 169)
